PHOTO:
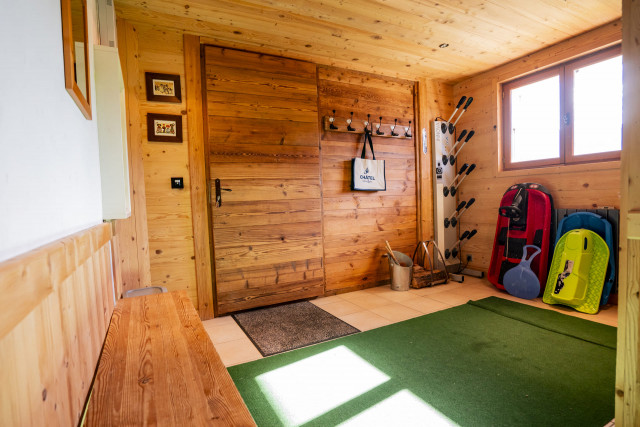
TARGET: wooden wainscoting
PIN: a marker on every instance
(55, 309)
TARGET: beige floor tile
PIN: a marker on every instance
(476, 292)
(319, 302)
(450, 298)
(379, 289)
(219, 321)
(350, 296)
(432, 290)
(238, 351)
(396, 312)
(365, 320)
(368, 301)
(225, 332)
(399, 296)
(425, 305)
(341, 308)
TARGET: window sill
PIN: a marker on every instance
(560, 169)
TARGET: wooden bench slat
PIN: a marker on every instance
(159, 367)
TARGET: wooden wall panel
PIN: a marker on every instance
(435, 99)
(132, 233)
(628, 355)
(356, 223)
(168, 211)
(576, 186)
(264, 147)
(56, 307)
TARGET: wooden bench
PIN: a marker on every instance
(159, 367)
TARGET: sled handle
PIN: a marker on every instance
(526, 261)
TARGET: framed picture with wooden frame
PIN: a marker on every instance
(163, 87)
(164, 127)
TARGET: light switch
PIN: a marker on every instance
(177, 182)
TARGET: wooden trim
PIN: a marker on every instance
(627, 393)
(56, 306)
(506, 120)
(29, 278)
(83, 102)
(198, 178)
(133, 232)
(569, 68)
(565, 73)
(417, 140)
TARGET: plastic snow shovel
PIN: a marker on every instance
(520, 281)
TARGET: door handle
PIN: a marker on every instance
(219, 190)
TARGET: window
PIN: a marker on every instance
(571, 113)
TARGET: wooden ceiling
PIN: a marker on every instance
(397, 38)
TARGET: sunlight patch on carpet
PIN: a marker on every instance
(306, 389)
(402, 409)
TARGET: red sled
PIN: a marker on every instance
(525, 219)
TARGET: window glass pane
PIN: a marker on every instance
(535, 121)
(597, 107)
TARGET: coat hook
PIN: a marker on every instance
(393, 128)
(366, 122)
(378, 131)
(349, 128)
(407, 129)
(331, 119)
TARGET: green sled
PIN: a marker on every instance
(578, 270)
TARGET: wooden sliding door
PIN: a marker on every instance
(263, 146)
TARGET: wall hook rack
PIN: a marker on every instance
(368, 125)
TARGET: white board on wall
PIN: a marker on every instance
(49, 167)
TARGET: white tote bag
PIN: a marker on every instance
(368, 174)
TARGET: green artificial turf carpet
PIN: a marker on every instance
(491, 362)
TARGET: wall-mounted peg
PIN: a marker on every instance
(331, 119)
(366, 122)
(407, 130)
(378, 131)
(349, 121)
(393, 128)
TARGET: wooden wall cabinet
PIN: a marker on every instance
(112, 133)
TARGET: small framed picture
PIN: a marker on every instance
(164, 127)
(163, 87)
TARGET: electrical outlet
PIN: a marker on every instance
(469, 258)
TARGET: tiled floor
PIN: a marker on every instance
(376, 307)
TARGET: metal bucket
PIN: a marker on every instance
(400, 276)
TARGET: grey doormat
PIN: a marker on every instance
(289, 326)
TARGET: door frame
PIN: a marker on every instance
(199, 177)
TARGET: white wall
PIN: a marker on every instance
(49, 168)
